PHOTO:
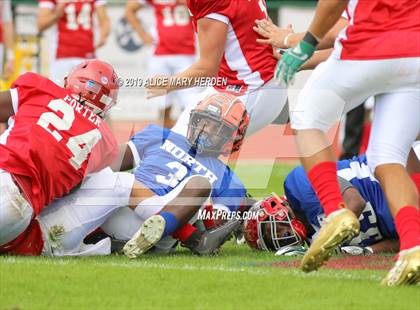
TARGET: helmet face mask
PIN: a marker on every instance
(94, 84)
(275, 227)
(209, 135)
(217, 125)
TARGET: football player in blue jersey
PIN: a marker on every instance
(164, 160)
(291, 221)
(175, 176)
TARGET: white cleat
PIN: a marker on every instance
(146, 237)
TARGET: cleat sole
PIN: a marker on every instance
(146, 237)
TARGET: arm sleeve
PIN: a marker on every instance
(344, 184)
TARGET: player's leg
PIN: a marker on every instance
(176, 209)
(15, 212)
(67, 221)
(334, 88)
(264, 105)
(158, 65)
(395, 127)
(183, 97)
(60, 68)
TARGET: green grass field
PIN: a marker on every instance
(237, 278)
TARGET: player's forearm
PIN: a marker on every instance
(132, 19)
(195, 72)
(105, 29)
(8, 35)
(316, 59)
(387, 245)
(327, 14)
(47, 19)
(6, 106)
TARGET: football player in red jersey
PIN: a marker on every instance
(55, 137)
(73, 37)
(378, 54)
(174, 46)
(229, 51)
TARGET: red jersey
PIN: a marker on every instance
(51, 140)
(174, 28)
(246, 64)
(74, 33)
(380, 29)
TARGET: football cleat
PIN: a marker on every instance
(213, 239)
(406, 269)
(340, 226)
(146, 237)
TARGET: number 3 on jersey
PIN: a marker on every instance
(80, 146)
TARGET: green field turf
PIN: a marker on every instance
(237, 278)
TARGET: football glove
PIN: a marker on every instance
(296, 250)
(355, 250)
(294, 58)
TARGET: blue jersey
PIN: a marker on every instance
(166, 158)
(376, 222)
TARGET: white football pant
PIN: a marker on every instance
(169, 66)
(15, 211)
(68, 220)
(60, 68)
(337, 86)
(264, 105)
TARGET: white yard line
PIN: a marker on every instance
(253, 270)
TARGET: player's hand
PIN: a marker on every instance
(102, 42)
(356, 250)
(272, 34)
(292, 60)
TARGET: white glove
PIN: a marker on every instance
(296, 250)
(356, 250)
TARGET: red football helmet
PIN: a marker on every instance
(218, 124)
(275, 226)
(95, 83)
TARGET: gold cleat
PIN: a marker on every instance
(340, 226)
(406, 269)
(146, 237)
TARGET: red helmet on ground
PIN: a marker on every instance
(95, 83)
(218, 124)
(274, 227)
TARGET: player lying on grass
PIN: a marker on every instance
(297, 219)
(55, 137)
(67, 221)
(163, 159)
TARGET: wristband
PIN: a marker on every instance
(286, 40)
(310, 38)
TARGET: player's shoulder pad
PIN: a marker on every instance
(31, 80)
